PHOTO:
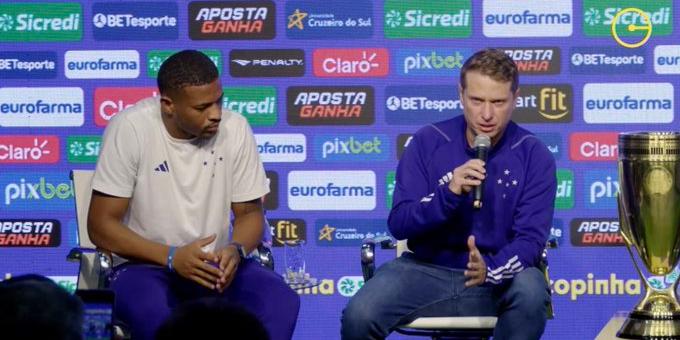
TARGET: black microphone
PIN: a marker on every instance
(481, 146)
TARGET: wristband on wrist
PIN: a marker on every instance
(171, 254)
(239, 248)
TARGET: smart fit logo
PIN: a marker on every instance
(544, 104)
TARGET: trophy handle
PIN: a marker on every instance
(626, 233)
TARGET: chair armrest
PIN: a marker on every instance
(96, 266)
(368, 253)
(263, 255)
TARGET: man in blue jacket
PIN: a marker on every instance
(466, 261)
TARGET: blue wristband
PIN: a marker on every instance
(171, 254)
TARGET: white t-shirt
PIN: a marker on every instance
(180, 190)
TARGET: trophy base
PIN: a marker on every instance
(641, 325)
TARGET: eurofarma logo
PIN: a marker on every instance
(564, 197)
(421, 104)
(101, 64)
(330, 105)
(527, 18)
(535, 60)
(156, 58)
(606, 60)
(256, 103)
(344, 147)
(348, 232)
(611, 103)
(595, 232)
(332, 190)
(351, 62)
(29, 149)
(346, 19)
(108, 101)
(593, 146)
(267, 63)
(282, 147)
(36, 191)
(143, 20)
(83, 149)
(601, 188)
(30, 233)
(544, 104)
(229, 20)
(41, 106)
(430, 62)
(41, 21)
(28, 65)
(667, 59)
(598, 16)
(428, 19)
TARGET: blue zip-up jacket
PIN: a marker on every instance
(511, 228)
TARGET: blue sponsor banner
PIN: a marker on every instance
(557, 230)
(606, 60)
(428, 62)
(348, 19)
(421, 104)
(600, 189)
(553, 141)
(36, 191)
(348, 232)
(28, 65)
(135, 21)
(350, 147)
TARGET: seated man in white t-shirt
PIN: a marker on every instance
(170, 172)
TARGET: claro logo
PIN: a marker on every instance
(108, 101)
(351, 62)
(29, 149)
(593, 146)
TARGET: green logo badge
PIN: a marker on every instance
(256, 103)
(598, 16)
(83, 149)
(390, 182)
(155, 58)
(564, 199)
(41, 21)
(428, 19)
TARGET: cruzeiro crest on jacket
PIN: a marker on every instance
(506, 182)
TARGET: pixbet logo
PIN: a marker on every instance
(437, 62)
(29, 149)
(23, 193)
(353, 62)
(345, 147)
(602, 187)
(108, 101)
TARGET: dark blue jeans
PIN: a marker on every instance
(145, 295)
(405, 289)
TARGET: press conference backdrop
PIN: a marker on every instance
(333, 90)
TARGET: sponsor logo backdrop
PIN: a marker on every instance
(334, 91)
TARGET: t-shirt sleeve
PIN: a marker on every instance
(250, 181)
(118, 159)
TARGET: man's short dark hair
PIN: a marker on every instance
(186, 68)
(493, 63)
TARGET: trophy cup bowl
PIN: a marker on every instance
(649, 212)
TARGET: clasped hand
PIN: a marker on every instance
(476, 267)
(213, 270)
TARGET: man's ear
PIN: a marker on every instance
(167, 106)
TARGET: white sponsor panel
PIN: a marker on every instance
(667, 59)
(331, 190)
(41, 106)
(282, 147)
(527, 18)
(611, 103)
(101, 64)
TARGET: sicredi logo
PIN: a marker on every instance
(602, 188)
(390, 183)
(28, 65)
(101, 64)
(267, 63)
(83, 149)
(351, 62)
(282, 147)
(611, 103)
(344, 19)
(427, 19)
(30, 233)
(564, 196)
(430, 62)
(271, 200)
(667, 59)
(527, 18)
(36, 191)
(544, 104)
(285, 230)
(41, 21)
(155, 58)
(35, 149)
(535, 60)
(108, 101)
(332, 190)
(144, 20)
(343, 147)
(348, 232)
(349, 285)
(595, 232)
(41, 106)
(422, 104)
(256, 103)
(603, 60)
(229, 20)
(593, 146)
(330, 105)
(553, 141)
(598, 16)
